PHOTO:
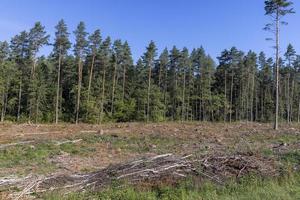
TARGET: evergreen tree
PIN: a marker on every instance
(148, 60)
(174, 91)
(105, 60)
(80, 53)
(277, 9)
(60, 50)
(37, 38)
(94, 45)
(290, 55)
(20, 55)
(177, 85)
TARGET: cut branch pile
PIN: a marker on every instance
(237, 166)
(154, 170)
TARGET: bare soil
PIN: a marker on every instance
(228, 150)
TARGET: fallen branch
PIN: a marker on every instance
(68, 141)
(167, 169)
(3, 146)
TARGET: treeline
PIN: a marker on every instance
(96, 80)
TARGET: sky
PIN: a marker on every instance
(214, 24)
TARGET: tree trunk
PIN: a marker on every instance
(102, 95)
(57, 89)
(277, 72)
(31, 100)
(124, 81)
(288, 98)
(292, 99)
(252, 96)
(113, 89)
(159, 76)
(91, 77)
(262, 104)
(3, 106)
(78, 90)
(248, 93)
(183, 99)
(148, 92)
(37, 107)
(225, 97)
(165, 92)
(19, 101)
(231, 99)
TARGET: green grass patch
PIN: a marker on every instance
(291, 157)
(37, 155)
(24, 155)
(251, 188)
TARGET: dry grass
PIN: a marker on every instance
(65, 149)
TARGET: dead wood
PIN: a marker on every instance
(3, 146)
(153, 170)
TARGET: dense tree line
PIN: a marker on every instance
(96, 80)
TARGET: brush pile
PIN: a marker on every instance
(156, 170)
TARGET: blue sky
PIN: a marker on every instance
(215, 24)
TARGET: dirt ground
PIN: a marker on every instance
(27, 149)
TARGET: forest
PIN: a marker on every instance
(96, 80)
(82, 116)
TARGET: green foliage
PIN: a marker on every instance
(125, 110)
(175, 85)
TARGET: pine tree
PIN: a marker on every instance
(127, 65)
(37, 38)
(148, 60)
(277, 9)
(206, 81)
(20, 55)
(184, 65)
(117, 65)
(60, 50)
(162, 81)
(290, 55)
(5, 77)
(250, 64)
(174, 92)
(80, 53)
(105, 59)
(94, 45)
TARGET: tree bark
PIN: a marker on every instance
(124, 81)
(292, 99)
(183, 99)
(165, 92)
(19, 101)
(31, 100)
(37, 108)
(113, 89)
(79, 89)
(252, 96)
(57, 89)
(231, 99)
(148, 92)
(159, 76)
(277, 73)
(225, 97)
(102, 94)
(91, 76)
(3, 106)
(288, 98)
